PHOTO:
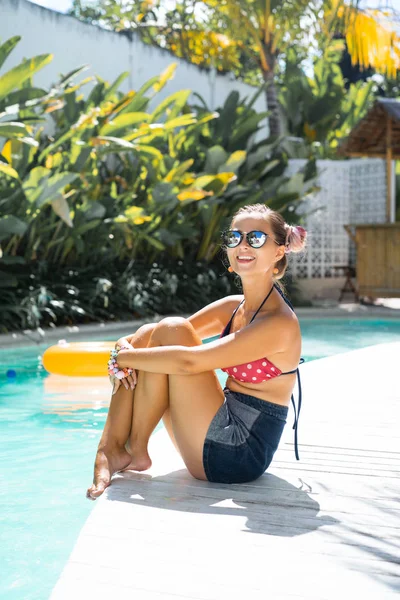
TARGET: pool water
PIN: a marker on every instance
(326, 337)
(49, 431)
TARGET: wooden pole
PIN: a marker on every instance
(389, 158)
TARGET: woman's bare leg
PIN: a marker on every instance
(112, 455)
(152, 403)
(189, 418)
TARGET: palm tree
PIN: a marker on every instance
(260, 30)
(273, 26)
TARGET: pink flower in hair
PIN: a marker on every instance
(297, 235)
(296, 238)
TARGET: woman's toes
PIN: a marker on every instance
(96, 490)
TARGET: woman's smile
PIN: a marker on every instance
(243, 259)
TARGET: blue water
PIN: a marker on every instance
(49, 431)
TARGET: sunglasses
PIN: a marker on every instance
(233, 237)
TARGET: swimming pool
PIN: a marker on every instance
(49, 430)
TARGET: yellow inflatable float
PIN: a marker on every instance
(78, 359)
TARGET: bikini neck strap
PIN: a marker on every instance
(262, 304)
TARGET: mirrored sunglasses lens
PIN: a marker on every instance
(256, 238)
(232, 238)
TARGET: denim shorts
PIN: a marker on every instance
(242, 438)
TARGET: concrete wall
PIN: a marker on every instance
(74, 43)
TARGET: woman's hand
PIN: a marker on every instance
(127, 382)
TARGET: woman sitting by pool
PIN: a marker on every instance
(223, 435)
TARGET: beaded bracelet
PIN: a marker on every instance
(113, 368)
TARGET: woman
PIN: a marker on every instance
(228, 435)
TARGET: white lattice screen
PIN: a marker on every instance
(351, 191)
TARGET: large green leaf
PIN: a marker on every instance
(137, 104)
(114, 143)
(165, 76)
(79, 157)
(61, 208)
(215, 158)
(8, 170)
(55, 145)
(234, 162)
(150, 83)
(163, 194)
(119, 124)
(227, 118)
(181, 121)
(87, 226)
(54, 186)
(176, 100)
(149, 150)
(69, 76)
(40, 187)
(146, 133)
(177, 172)
(23, 97)
(8, 47)
(249, 127)
(95, 210)
(192, 195)
(114, 86)
(35, 182)
(154, 242)
(19, 74)
(96, 96)
(214, 183)
(71, 108)
(11, 225)
(10, 129)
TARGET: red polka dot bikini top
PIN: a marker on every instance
(263, 369)
(258, 370)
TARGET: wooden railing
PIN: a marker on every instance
(378, 259)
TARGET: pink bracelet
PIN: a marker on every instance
(113, 368)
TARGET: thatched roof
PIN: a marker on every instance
(370, 136)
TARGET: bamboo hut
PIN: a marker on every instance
(378, 245)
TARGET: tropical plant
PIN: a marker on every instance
(109, 169)
(182, 27)
(319, 109)
(103, 180)
(236, 142)
(253, 36)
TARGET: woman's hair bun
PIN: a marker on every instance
(295, 238)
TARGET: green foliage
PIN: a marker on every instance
(123, 291)
(116, 182)
(110, 171)
(319, 109)
(235, 142)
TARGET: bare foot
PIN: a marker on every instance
(140, 461)
(108, 462)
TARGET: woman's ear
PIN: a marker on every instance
(280, 253)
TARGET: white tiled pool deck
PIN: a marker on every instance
(326, 528)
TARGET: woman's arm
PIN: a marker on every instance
(266, 337)
(211, 320)
(208, 321)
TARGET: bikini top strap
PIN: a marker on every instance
(298, 409)
(297, 414)
(262, 304)
(228, 325)
(278, 289)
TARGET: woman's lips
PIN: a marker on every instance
(244, 260)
